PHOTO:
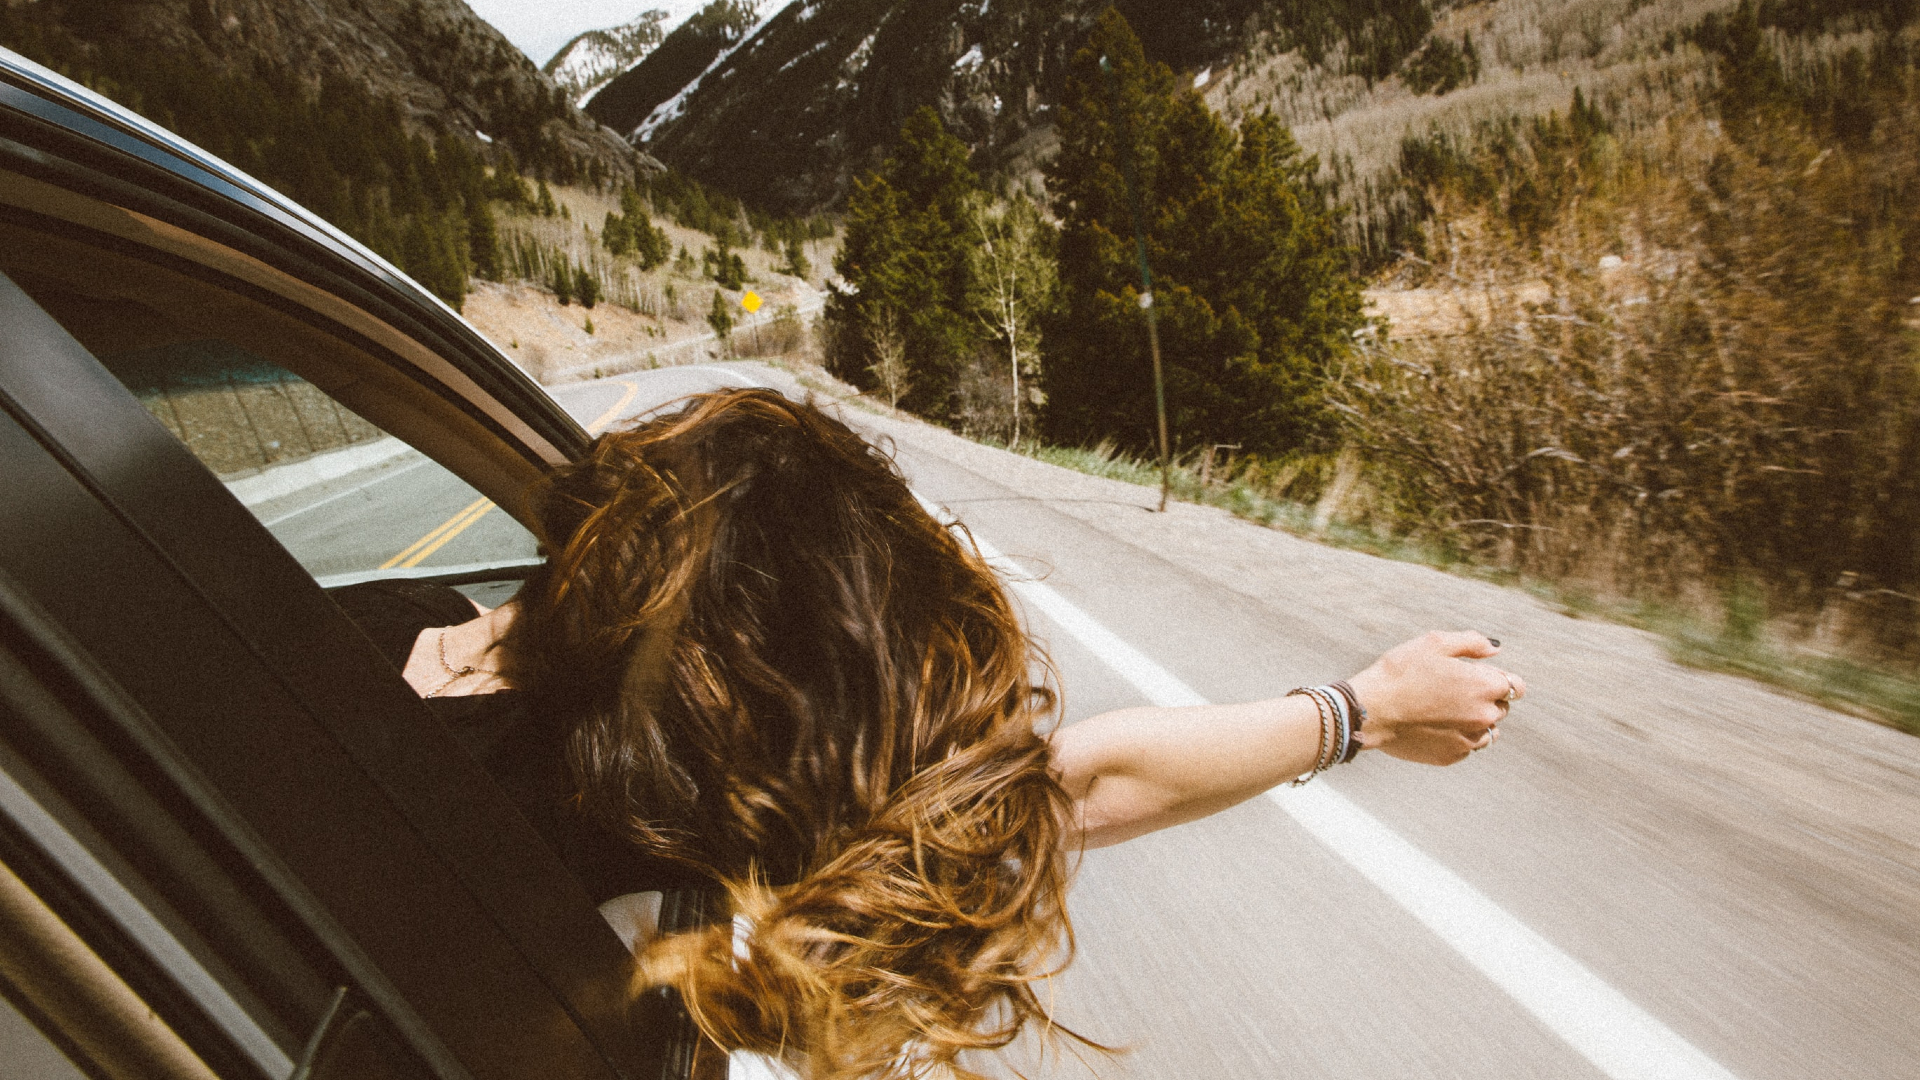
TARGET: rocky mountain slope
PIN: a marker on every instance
(593, 59)
(449, 71)
(786, 110)
(783, 103)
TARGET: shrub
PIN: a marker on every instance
(1705, 377)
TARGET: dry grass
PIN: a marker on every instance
(1729, 632)
(1717, 385)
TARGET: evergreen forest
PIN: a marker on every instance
(1254, 295)
(432, 202)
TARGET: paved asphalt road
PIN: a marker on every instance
(1658, 873)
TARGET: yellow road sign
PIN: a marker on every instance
(750, 301)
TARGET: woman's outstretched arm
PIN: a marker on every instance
(1133, 771)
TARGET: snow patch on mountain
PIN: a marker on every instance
(672, 108)
(591, 60)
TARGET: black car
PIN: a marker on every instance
(232, 841)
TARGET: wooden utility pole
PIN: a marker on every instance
(1146, 276)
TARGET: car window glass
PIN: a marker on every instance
(348, 500)
(218, 369)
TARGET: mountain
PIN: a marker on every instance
(592, 60)
(681, 59)
(448, 71)
(785, 108)
(782, 107)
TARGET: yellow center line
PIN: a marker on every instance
(434, 535)
(457, 527)
(613, 414)
(417, 552)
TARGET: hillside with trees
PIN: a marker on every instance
(1253, 293)
(442, 68)
(814, 98)
(411, 158)
(1669, 349)
(414, 127)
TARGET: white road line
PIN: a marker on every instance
(1622, 1040)
(354, 490)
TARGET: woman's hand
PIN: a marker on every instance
(1132, 771)
(1427, 701)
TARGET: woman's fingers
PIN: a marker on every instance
(1464, 643)
(1440, 744)
(1507, 685)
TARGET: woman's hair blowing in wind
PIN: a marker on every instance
(793, 680)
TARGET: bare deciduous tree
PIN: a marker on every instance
(889, 348)
(1014, 278)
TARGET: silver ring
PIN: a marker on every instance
(1512, 690)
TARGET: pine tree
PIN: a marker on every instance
(615, 235)
(1251, 288)
(483, 238)
(508, 186)
(795, 264)
(905, 256)
(724, 266)
(633, 207)
(650, 244)
(720, 317)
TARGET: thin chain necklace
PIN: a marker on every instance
(454, 674)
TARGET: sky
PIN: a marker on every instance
(540, 27)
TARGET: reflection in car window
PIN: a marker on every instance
(50, 971)
(348, 500)
(28, 1053)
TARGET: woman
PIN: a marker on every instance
(752, 660)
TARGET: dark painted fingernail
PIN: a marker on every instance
(1495, 641)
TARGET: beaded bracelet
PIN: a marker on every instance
(1326, 733)
(1341, 716)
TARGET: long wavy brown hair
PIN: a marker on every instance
(791, 679)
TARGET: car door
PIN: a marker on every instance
(210, 782)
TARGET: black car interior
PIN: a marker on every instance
(343, 889)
